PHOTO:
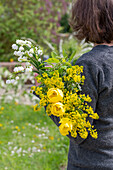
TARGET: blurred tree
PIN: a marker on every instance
(35, 19)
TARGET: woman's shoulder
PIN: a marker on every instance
(96, 57)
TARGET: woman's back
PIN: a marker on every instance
(96, 154)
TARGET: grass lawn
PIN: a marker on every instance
(30, 140)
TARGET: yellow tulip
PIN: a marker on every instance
(55, 95)
(57, 109)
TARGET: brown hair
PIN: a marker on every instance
(93, 20)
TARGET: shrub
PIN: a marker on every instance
(30, 19)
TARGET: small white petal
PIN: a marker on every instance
(31, 50)
(28, 70)
(8, 81)
(39, 59)
(17, 78)
(30, 55)
(21, 48)
(12, 81)
(33, 141)
(40, 52)
(15, 69)
(27, 64)
(14, 47)
(15, 53)
(20, 59)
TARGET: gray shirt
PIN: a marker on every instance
(90, 153)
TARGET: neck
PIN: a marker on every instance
(110, 44)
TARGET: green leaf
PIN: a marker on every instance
(53, 54)
(52, 60)
(72, 56)
(45, 68)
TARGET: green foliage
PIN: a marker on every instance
(73, 49)
(64, 22)
(34, 19)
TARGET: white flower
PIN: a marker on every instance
(17, 78)
(36, 48)
(27, 42)
(30, 55)
(9, 143)
(34, 149)
(21, 48)
(20, 42)
(14, 47)
(28, 70)
(24, 58)
(33, 141)
(31, 66)
(15, 53)
(31, 50)
(28, 64)
(38, 150)
(39, 59)
(12, 152)
(11, 122)
(15, 69)
(21, 68)
(12, 81)
(20, 54)
(19, 150)
(8, 81)
(20, 59)
(15, 148)
(28, 45)
(40, 52)
(18, 69)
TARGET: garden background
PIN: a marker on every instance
(30, 140)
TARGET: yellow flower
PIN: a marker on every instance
(11, 60)
(51, 137)
(33, 88)
(65, 127)
(1, 125)
(94, 116)
(57, 109)
(45, 75)
(2, 108)
(16, 103)
(54, 95)
(94, 134)
(16, 127)
(37, 107)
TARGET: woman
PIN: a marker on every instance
(92, 20)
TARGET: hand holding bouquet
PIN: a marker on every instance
(59, 90)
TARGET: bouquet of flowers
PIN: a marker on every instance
(59, 90)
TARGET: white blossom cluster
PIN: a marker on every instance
(18, 69)
(22, 53)
(12, 81)
(24, 50)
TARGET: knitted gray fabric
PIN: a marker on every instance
(95, 154)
